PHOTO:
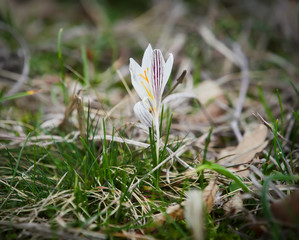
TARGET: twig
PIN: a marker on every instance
(243, 64)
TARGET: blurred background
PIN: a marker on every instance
(113, 31)
(99, 37)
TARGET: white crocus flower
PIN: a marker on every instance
(149, 81)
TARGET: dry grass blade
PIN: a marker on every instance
(44, 231)
(81, 118)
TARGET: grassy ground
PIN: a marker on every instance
(75, 163)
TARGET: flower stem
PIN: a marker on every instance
(157, 147)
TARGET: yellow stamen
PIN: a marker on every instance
(148, 92)
(145, 75)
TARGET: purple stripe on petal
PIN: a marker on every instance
(143, 114)
(157, 73)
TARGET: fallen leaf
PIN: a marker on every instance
(209, 194)
(234, 205)
(251, 144)
(176, 212)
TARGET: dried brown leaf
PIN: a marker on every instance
(176, 212)
(209, 195)
(234, 205)
(252, 143)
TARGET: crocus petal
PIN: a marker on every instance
(143, 114)
(147, 57)
(136, 79)
(157, 72)
(167, 70)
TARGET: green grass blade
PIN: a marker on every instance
(294, 87)
(63, 86)
(85, 65)
(281, 111)
(60, 54)
(166, 138)
(18, 95)
(281, 153)
(222, 170)
(18, 162)
(204, 160)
